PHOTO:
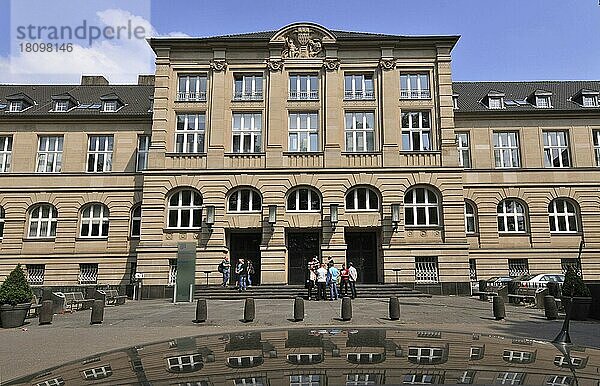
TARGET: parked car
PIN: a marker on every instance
(542, 279)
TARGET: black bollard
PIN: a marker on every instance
(553, 289)
(482, 285)
(97, 311)
(499, 310)
(550, 308)
(200, 311)
(298, 309)
(249, 310)
(346, 308)
(394, 308)
(46, 312)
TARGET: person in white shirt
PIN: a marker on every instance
(353, 275)
(321, 282)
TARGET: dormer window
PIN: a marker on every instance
(19, 102)
(542, 102)
(455, 102)
(540, 99)
(61, 106)
(110, 106)
(589, 100)
(494, 100)
(16, 106)
(495, 103)
(586, 98)
(111, 103)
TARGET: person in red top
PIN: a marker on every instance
(345, 277)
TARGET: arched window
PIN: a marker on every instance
(304, 199)
(42, 221)
(2, 216)
(421, 207)
(511, 217)
(185, 209)
(136, 221)
(470, 218)
(94, 221)
(562, 216)
(244, 200)
(362, 199)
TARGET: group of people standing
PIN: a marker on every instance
(323, 276)
(244, 270)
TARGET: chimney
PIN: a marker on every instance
(93, 80)
(146, 80)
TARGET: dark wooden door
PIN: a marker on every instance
(245, 246)
(362, 252)
(302, 247)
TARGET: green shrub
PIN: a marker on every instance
(15, 289)
(574, 285)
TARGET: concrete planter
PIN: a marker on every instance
(580, 310)
(13, 316)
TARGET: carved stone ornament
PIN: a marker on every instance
(169, 236)
(387, 64)
(302, 43)
(423, 233)
(275, 65)
(218, 65)
(331, 64)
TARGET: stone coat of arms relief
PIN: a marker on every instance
(302, 43)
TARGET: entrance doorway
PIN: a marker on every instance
(362, 252)
(245, 246)
(302, 247)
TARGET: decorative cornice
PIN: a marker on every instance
(387, 64)
(275, 65)
(331, 64)
(218, 65)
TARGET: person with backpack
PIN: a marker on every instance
(225, 269)
(345, 277)
(333, 275)
(242, 271)
(353, 275)
(250, 267)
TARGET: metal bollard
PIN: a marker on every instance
(482, 285)
(97, 311)
(394, 308)
(46, 312)
(201, 311)
(298, 309)
(346, 308)
(499, 310)
(249, 310)
(553, 289)
(550, 308)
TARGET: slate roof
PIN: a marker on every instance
(137, 100)
(471, 93)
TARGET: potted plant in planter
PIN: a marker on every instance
(575, 294)
(15, 299)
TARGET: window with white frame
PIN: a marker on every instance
(250, 381)
(470, 218)
(244, 200)
(512, 217)
(248, 87)
(61, 106)
(421, 207)
(513, 356)
(426, 270)
(136, 221)
(506, 149)
(2, 219)
(191, 88)
(414, 86)
(5, 153)
(495, 102)
(362, 198)
(304, 359)
(303, 87)
(559, 380)
(303, 132)
(562, 216)
(425, 355)
(542, 102)
(576, 362)
(185, 363)
(595, 135)
(16, 106)
(362, 379)
(185, 210)
(589, 100)
(510, 378)
(42, 221)
(476, 353)
(94, 221)
(52, 382)
(190, 132)
(100, 153)
(358, 86)
(518, 267)
(49, 157)
(467, 377)
(304, 199)
(556, 149)
(360, 131)
(416, 131)
(247, 133)
(455, 102)
(172, 272)
(97, 373)
(143, 149)
(306, 380)
(245, 361)
(35, 274)
(110, 106)
(464, 149)
(88, 273)
(365, 357)
(419, 379)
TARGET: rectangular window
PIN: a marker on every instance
(416, 131)
(190, 133)
(542, 102)
(172, 272)
(303, 87)
(414, 86)
(247, 132)
(464, 150)
(15, 106)
(473, 269)
(248, 87)
(362, 379)
(358, 86)
(426, 270)
(303, 132)
(506, 149)
(573, 263)
(306, 380)
(556, 149)
(5, 154)
(595, 134)
(88, 273)
(360, 132)
(142, 152)
(495, 102)
(61, 106)
(100, 153)
(110, 106)
(518, 267)
(589, 100)
(35, 274)
(191, 88)
(49, 157)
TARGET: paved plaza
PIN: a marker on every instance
(33, 348)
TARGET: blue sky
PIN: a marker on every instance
(507, 40)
